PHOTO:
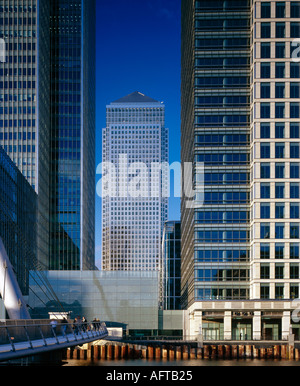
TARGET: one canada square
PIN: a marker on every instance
(134, 208)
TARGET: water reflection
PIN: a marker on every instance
(190, 362)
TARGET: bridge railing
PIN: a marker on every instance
(27, 331)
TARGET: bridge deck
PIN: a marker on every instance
(29, 347)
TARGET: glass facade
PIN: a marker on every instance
(18, 220)
(72, 158)
(171, 266)
(216, 133)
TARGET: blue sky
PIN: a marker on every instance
(138, 49)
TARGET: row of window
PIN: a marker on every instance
(14, 136)
(280, 30)
(219, 236)
(280, 130)
(222, 217)
(265, 210)
(279, 291)
(279, 272)
(280, 49)
(221, 275)
(280, 90)
(280, 9)
(265, 190)
(280, 70)
(279, 251)
(279, 230)
(223, 159)
(280, 170)
(280, 110)
(226, 178)
(265, 150)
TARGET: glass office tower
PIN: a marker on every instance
(216, 133)
(240, 120)
(72, 159)
(24, 100)
(135, 143)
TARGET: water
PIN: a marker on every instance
(180, 363)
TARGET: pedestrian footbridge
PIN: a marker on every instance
(23, 338)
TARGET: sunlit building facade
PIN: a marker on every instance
(240, 121)
(134, 208)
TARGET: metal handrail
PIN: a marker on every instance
(45, 332)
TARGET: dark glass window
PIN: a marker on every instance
(294, 130)
(264, 130)
(264, 251)
(279, 110)
(279, 190)
(294, 231)
(279, 150)
(265, 110)
(265, 30)
(264, 150)
(280, 9)
(295, 70)
(294, 210)
(265, 50)
(295, 30)
(279, 210)
(280, 50)
(265, 170)
(294, 190)
(265, 10)
(295, 9)
(279, 251)
(265, 70)
(279, 231)
(279, 70)
(279, 170)
(294, 251)
(294, 90)
(264, 190)
(280, 30)
(265, 90)
(264, 230)
(279, 90)
(294, 170)
(294, 150)
(279, 130)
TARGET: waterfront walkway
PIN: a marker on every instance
(22, 340)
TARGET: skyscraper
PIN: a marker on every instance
(240, 119)
(134, 209)
(72, 159)
(47, 120)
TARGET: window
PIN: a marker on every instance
(264, 170)
(264, 130)
(294, 190)
(264, 251)
(265, 271)
(295, 70)
(279, 291)
(294, 251)
(279, 110)
(265, 70)
(264, 291)
(279, 190)
(279, 150)
(265, 10)
(265, 150)
(279, 130)
(279, 271)
(294, 231)
(295, 9)
(279, 90)
(294, 90)
(294, 210)
(279, 210)
(279, 231)
(279, 251)
(294, 170)
(279, 170)
(294, 130)
(265, 90)
(279, 70)
(280, 10)
(264, 190)
(294, 291)
(265, 30)
(264, 210)
(264, 230)
(279, 50)
(294, 150)
(265, 50)
(295, 30)
(265, 110)
(294, 110)
(280, 30)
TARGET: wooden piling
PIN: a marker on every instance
(178, 352)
